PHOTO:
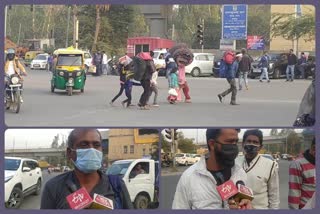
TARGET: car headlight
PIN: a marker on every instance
(15, 80)
(79, 73)
(61, 73)
(8, 178)
(270, 65)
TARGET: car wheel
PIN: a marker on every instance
(276, 73)
(195, 72)
(15, 198)
(141, 202)
(38, 188)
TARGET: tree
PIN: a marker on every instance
(55, 142)
(274, 132)
(291, 27)
(99, 9)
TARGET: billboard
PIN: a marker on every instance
(234, 22)
(255, 43)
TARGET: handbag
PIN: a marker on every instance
(173, 92)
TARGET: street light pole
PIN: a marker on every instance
(67, 38)
(5, 20)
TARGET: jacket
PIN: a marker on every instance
(196, 188)
(264, 62)
(263, 179)
(245, 63)
(292, 59)
(17, 66)
(232, 69)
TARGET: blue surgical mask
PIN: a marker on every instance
(88, 160)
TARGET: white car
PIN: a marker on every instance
(201, 65)
(156, 58)
(185, 159)
(22, 177)
(40, 62)
(87, 59)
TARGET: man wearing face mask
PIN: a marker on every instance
(302, 178)
(197, 187)
(85, 152)
(263, 177)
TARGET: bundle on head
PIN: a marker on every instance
(183, 55)
(176, 47)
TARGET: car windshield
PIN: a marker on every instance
(156, 54)
(274, 56)
(179, 155)
(12, 164)
(41, 57)
(69, 60)
(118, 168)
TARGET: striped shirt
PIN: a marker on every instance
(301, 182)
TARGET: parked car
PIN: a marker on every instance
(22, 177)
(184, 159)
(201, 65)
(160, 63)
(87, 59)
(40, 62)
(196, 158)
(271, 158)
(143, 188)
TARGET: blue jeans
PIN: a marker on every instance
(243, 75)
(264, 73)
(290, 72)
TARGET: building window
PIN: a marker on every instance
(131, 149)
(125, 149)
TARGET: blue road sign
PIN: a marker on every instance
(234, 22)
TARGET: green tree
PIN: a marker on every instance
(55, 142)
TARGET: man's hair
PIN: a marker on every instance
(302, 53)
(151, 53)
(255, 132)
(74, 134)
(243, 50)
(291, 50)
(214, 134)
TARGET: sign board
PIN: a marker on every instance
(227, 44)
(255, 43)
(234, 22)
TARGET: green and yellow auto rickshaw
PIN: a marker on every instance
(68, 71)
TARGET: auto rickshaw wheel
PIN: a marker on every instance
(52, 88)
(69, 90)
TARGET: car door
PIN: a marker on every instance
(206, 64)
(26, 176)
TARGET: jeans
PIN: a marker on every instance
(290, 72)
(120, 92)
(243, 75)
(264, 73)
(232, 89)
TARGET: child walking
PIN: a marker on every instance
(173, 86)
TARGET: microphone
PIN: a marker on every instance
(81, 199)
(244, 192)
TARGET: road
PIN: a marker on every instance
(169, 182)
(264, 104)
(33, 201)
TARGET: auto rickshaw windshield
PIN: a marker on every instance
(69, 60)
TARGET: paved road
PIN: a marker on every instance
(33, 201)
(169, 182)
(264, 104)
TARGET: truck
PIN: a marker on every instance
(136, 45)
(143, 188)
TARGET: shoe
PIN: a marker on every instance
(132, 105)
(234, 104)
(247, 87)
(122, 103)
(155, 105)
(139, 104)
(287, 80)
(260, 80)
(220, 98)
(144, 108)
(291, 80)
(268, 80)
(21, 100)
(187, 101)
(111, 103)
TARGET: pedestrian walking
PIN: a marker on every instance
(230, 76)
(264, 65)
(302, 64)
(292, 61)
(97, 61)
(104, 62)
(263, 176)
(244, 69)
(197, 187)
(302, 180)
(174, 86)
(183, 84)
(154, 87)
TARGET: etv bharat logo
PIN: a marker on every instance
(77, 197)
(226, 189)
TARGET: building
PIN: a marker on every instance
(132, 143)
(281, 44)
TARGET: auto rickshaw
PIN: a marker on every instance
(30, 55)
(68, 71)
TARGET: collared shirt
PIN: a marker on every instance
(263, 179)
(196, 188)
(56, 190)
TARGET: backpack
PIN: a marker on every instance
(222, 69)
(115, 182)
(139, 68)
(229, 57)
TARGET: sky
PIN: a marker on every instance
(33, 138)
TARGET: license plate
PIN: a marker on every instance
(256, 70)
(17, 85)
(35, 65)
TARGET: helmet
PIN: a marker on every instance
(11, 53)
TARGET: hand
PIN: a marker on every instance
(245, 204)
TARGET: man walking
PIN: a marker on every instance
(263, 177)
(264, 64)
(244, 68)
(230, 76)
(302, 180)
(292, 61)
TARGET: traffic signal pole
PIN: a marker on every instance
(203, 35)
(174, 149)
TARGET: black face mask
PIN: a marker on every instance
(251, 149)
(226, 155)
(10, 56)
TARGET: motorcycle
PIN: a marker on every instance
(13, 92)
(112, 68)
